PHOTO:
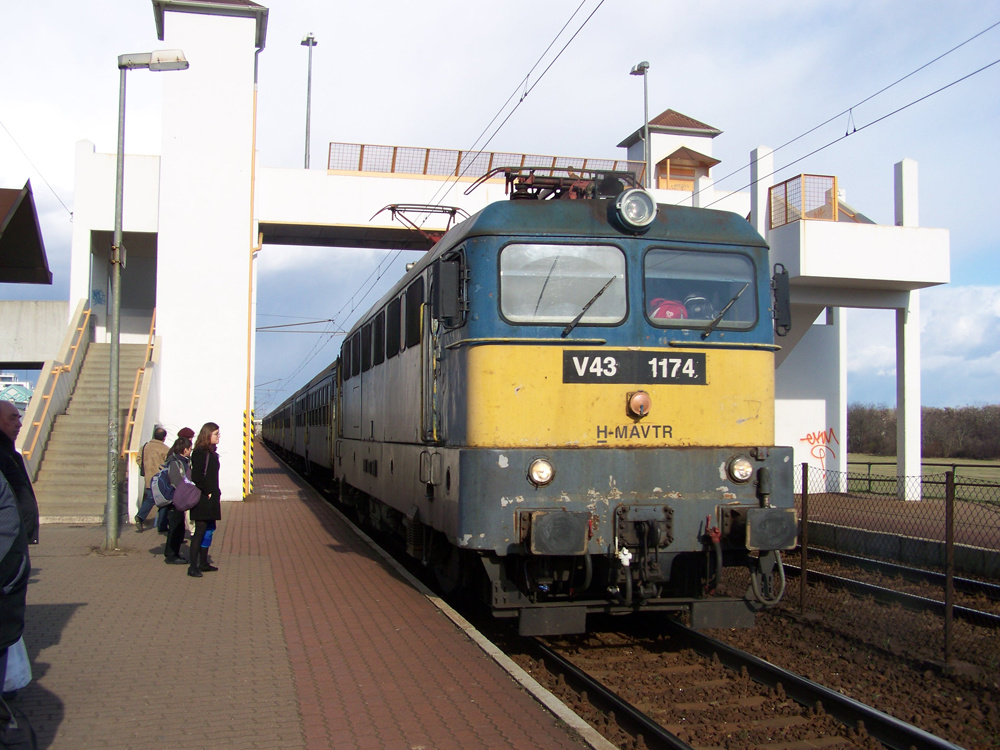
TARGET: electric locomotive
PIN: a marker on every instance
(567, 406)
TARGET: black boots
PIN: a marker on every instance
(199, 563)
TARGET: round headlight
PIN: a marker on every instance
(540, 473)
(740, 469)
(636, 208)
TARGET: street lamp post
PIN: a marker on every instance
(169, 59)
(640, 70)
(309, 41)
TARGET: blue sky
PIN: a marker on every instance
(435, 73)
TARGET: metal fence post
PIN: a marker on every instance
(804, 538)
(949, 547)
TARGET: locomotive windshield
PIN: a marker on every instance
(552, 284)
(690, 289)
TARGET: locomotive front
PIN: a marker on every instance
(605, 394)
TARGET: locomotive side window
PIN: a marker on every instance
(690, 289)
(378, 340)
(356, 354)
(392, 330)
(552, 284)
(345, 358)
(366, 348)
(414, 300)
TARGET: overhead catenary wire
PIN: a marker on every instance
(850, 110)
(37, 170)
(851, 132)
(447, 184)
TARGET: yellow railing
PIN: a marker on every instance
(50, 388)
(805, 196)
(471, 165)
(133, 402)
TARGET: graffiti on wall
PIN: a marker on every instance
(821, 444)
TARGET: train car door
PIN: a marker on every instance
(429, 345)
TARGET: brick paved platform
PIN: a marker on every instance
(304, 638)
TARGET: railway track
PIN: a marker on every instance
(927, 581)
(701, 692)
(968, 586)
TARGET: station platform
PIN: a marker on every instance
(305, 638)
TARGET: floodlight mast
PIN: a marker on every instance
(639, 69)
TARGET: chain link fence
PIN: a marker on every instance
(886, 516)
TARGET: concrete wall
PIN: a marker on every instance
(31, 331)
(93, 230)
(206, 232)
(809, 385)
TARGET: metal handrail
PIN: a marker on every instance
(132, 405)
(58, 370)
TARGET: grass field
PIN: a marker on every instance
(986, 470)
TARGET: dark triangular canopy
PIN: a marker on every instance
(22, 252)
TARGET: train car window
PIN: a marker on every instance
(345, 358)
(356, 354)
(414, 300)
(551, 284)
(378, 340)
(366, 348)
(392, 330)
(690, 288)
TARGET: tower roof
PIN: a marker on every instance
(670, 122)
(239, 8)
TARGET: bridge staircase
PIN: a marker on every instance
(71, 485)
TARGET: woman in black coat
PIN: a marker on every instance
(205, 474)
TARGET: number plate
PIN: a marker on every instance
(641, 368)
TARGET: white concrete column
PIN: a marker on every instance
(761, 179)
(908, 428)
(703, 192)
(906, 197)
(908, 454)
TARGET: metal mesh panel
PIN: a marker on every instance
(474, 163)
(345, 157)
(504, 159)
(377, 159)
(441, 162)
(818, 198)
(411, 160)
(786, 199)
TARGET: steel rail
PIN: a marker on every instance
(916, 575)
(653, 734)
(909, 601)
(888, 730)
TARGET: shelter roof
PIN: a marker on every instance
(688, 157)
(671, 122)
(238, 8)
(22, 251)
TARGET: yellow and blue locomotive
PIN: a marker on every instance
(567, 405)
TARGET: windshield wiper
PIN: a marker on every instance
(586, 307)
(722, 314)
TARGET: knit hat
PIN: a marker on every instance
(186, 432)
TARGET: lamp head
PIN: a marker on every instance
(168, 59)
(309, 40)
(639, 69)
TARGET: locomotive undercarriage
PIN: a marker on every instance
(552, 594)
